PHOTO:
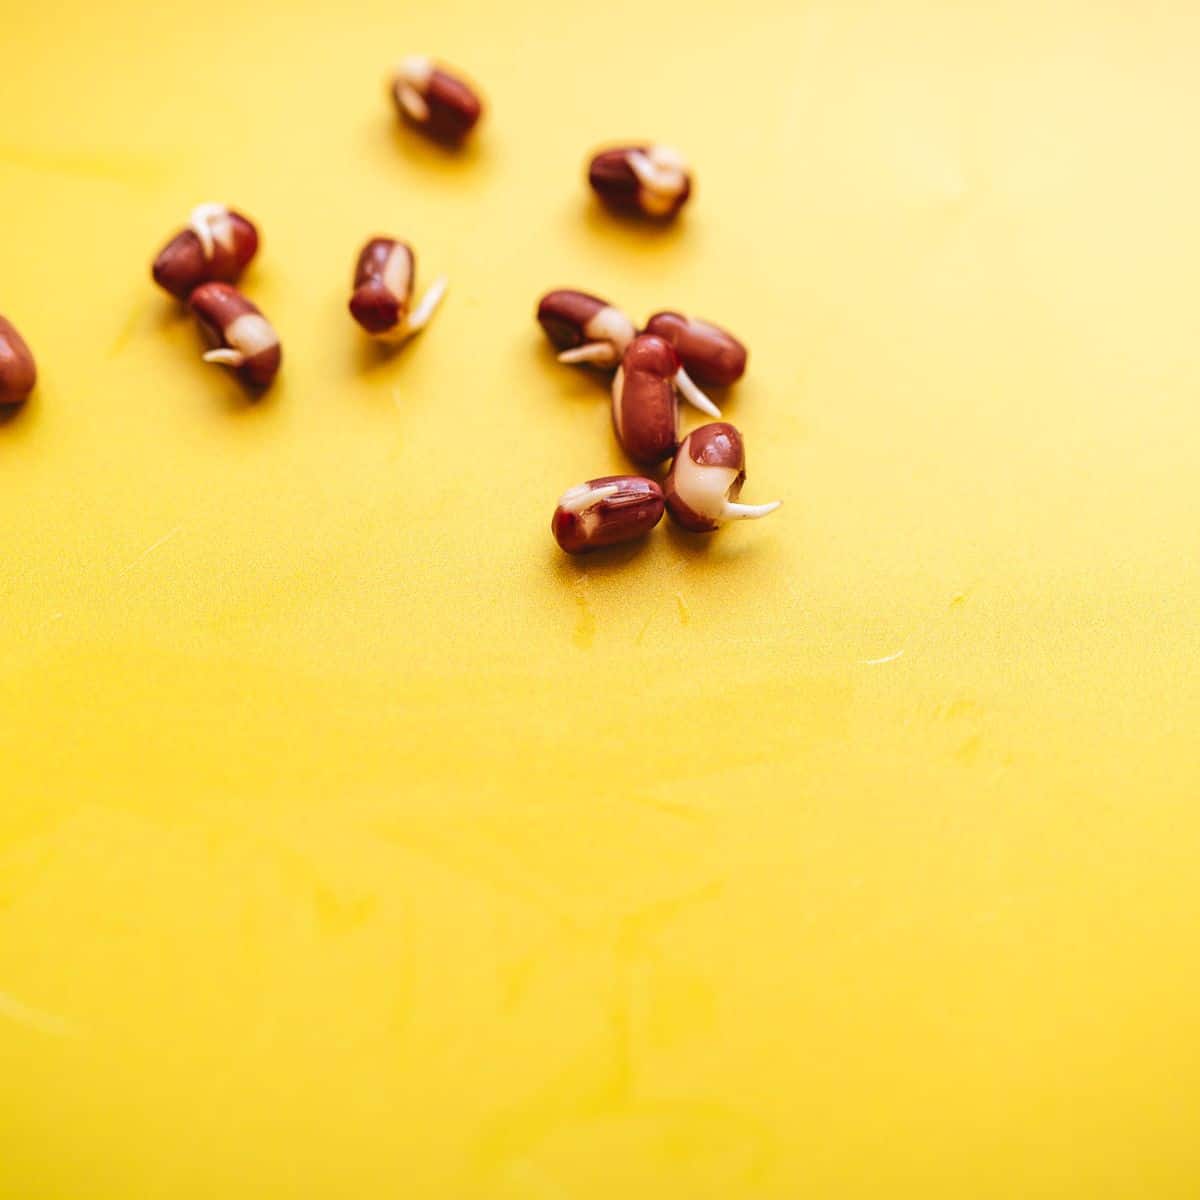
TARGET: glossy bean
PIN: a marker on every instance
(653, 181)
(433, 100)
(242, 337)
(705, 480)
(644, 408)
(217, 245)
(712, 356)
(585, 328)
(606, 511)
(383, 289)
(18, 371)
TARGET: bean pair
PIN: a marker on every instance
(200, 265)
(644, 179)
(701, 493)
(709, 467)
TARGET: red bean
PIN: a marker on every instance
(706, 478)
(651, 180)
(383, 290)
(243, 338)
(433, 100)
(645, 411)
(585, 328)
(217, 245)
(18, 371)
(606, 511)
(712, 356)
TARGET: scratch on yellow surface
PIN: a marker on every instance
(128, 329)
(887, 658)
(12, 1009)
(585, 621)
(150, 549)
(109, 166)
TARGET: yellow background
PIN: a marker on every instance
(356, 843)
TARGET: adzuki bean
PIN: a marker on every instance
(18, 371)
(644, 408)
(706, 478)
(383, 290)
(243, 337)
(217, 245)
(435, 101)
(585, 328)
(606, 511)
(712, 356)
(651, 180)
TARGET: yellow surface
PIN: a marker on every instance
(355, 843)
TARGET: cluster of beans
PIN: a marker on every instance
(199, 266)
(672, 355)
(201, 263)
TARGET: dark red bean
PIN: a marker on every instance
(18, 371)
(712, 356)
(651, 180)
(645, 410)
(242, 336)
(606, 511)
(585, 328)
(433, 100)
(217, 245)
(383, 290)
(706, 478)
